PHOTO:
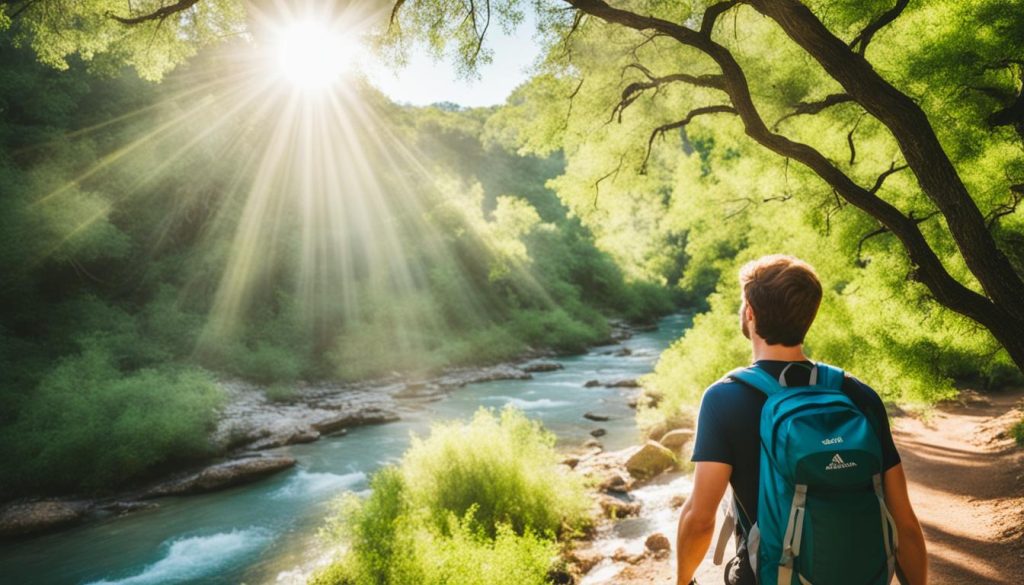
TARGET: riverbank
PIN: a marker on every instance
(255, 424)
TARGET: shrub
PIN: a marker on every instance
(89, 426)
(1017, 432)
(503, 465)
(479, 502)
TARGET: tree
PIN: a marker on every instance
(991, 291)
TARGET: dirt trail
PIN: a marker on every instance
(966, 479)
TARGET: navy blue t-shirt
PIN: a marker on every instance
(730, 416)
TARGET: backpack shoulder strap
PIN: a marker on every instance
(758, 378)
(830, 376)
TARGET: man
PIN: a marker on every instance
(780, 298)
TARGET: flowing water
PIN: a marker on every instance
(260, 532)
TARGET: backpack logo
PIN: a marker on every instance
(838, 463)
(832, 441)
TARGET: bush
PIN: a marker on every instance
(1017, 432)
(88, 426)
(479, 502)
(505, 466)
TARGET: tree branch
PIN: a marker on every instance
(661, 130)
(885, 175)
(159, 14)
(707, 24)
(634, 90)
(811, 108)
(860, 42)
(1004, 209)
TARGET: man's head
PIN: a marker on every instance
(781, 295)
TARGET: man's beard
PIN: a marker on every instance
(743, 322)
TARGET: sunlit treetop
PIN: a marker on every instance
(151, 36)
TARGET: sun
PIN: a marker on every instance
(313, 55)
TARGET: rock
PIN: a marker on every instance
(34, 517)
(677, 501)
(624, 352)
(591, 384)
(657, 542)
(650, 460)
(221, 476)
(337, 422)
(613, 507)
(675, 440)
(303, 436)
(542, 367)
(632, 402)
(585, 559)
(627, 383)
(598, 433)
(623, 556)
(571, 462)
(595, 417)
(593, 443)
(560, 577)
(614, 482)
(121, 508)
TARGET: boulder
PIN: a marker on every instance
(337, 422)
(614, 482)
(591, 384)
(677, 501)
(221, 476)
(675, 440)
(598, 433)
(595, 417)
(657, 542)
(627, 383)
(34, 517)
(584, 559)
(650, 460)
(542, 367)
(624, 352)
(613, 507)
(623, 556)
(593, 443)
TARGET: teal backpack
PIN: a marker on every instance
(822, 518)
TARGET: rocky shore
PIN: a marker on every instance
(637, 493)
(254, 423)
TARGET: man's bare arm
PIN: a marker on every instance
(697, 520)
(912, 556)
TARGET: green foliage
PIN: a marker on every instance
(505, 466)
(1017, 432)
(88, 29)
(89, 426)
(478, 502)
(688, 207)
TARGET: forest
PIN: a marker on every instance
(172, 218)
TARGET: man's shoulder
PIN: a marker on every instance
(729, 391)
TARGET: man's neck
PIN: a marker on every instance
(782, 353)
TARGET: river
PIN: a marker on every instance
(262, 532)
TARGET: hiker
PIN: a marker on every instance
(819, 493)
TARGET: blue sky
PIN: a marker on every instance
(425, 81)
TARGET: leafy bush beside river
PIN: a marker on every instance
(475, 503)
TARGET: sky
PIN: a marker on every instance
(425, 81)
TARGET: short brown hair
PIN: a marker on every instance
(784, 293)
